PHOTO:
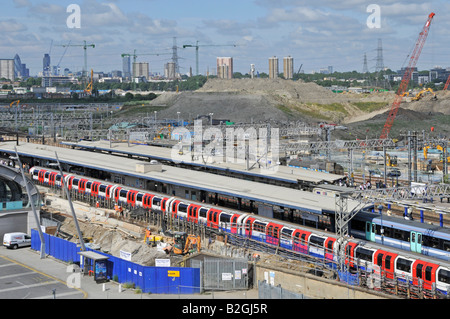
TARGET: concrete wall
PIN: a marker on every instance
(311, 286)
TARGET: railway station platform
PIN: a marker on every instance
(246, 195)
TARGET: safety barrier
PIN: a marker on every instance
(158, 280)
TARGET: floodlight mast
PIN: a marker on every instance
(30, 199)
(80, 235)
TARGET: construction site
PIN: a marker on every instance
(341, 146)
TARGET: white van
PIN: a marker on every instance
(16, 240)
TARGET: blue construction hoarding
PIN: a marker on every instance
(159, 280)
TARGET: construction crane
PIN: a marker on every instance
(197, 46)
(406, 77)
(84, 46)
(57, 66)
(134, 55)
(447, 83)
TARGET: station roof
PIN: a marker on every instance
(259, 192)
(282, 173)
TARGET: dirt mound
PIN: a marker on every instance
(290, 90)
(405, 115)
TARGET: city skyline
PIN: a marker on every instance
(315, 34)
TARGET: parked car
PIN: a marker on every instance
(16, 240)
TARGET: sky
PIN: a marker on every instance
(317, 34)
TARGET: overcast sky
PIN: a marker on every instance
(315, 33)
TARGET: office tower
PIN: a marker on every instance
(46, 65)
(141, 69)
(7, 69)
(288, 67)
(225, 67)
(273, 67)
(169, 70)
(126, 66)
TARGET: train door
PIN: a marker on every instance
(370, 231)
(249, 226)
(272, 233)
(234, 223)
(329, 252)
(416, 242)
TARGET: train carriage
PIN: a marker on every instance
(366, 256)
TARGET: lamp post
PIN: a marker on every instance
(80, 235)
(380, 210)
(30, 199)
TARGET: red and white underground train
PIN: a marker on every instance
(363, 255)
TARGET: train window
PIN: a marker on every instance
(403, 264)
(257, 226)
(387, 262)
(182, 208)
(122, 193)
(358, 225)
(444, 276)
(88, 185)
(75, 182)
(225, 218)
(203, 212)
(102, 188)
(318, 241)
(157, 201)
(419, 270)
(379, 260)
(428, 273)
(286, 233)
(330, 245)
(446, 245)
(303, 238)
(363, 254)
(139, 197)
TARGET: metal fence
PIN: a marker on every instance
(223, 274)
(267, 291)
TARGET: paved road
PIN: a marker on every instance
(19, 281)
(24, 275)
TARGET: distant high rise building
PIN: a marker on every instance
(46, 65)
(141, 69)
(126, 66)
(17, 67)
(7, 69)
(252, 71)
(225, 67)
(273, 67)
(169, 70)
(288, 67)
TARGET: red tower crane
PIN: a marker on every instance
(406, 77)
(447, 83)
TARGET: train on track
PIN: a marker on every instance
(398, 256)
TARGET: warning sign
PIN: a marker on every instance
(173, 273)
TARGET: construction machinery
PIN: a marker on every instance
(89, 87)
(421, 93)
(406, 77)
(197, 46)
(184, 244)
(391, 161)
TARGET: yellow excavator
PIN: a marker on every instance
(184, 244)
(392, 161)
(421, 93)
(438, 147)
